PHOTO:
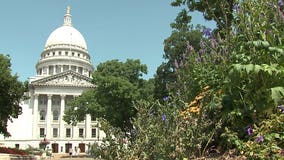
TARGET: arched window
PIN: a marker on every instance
(55, 115)
(42, 115)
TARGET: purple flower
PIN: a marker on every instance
(213, 43)
(164, 117)
(259, 139)
(190, 48)
(280, 3)
(183, 56)
(176, 64)
(281, 108)
(181, 64)
(167, 86)
(236, 7)
(249, 130)
(207, 32)
(166, 98)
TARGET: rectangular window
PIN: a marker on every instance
(50, 70)
(68, 132)
(65, 67)
(80, 70)
(73, 68)
(94, 132)
(55, 132)
(81, 132)
(93, 118)
(58, 68)
(41, 132)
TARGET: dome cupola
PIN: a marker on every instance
(65, 49)
(66, 35)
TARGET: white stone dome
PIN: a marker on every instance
(66, 35)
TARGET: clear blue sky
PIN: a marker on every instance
(113, 29)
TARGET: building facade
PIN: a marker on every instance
(63, 72)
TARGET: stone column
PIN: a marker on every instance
(48, 116)
(47, 70)
(35, 117)
(74, 132)
(88, 128)
(54, 69)
(61, 122)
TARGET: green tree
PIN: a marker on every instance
(221, 11)
(11, 92)
(118, 85)
(183, 36)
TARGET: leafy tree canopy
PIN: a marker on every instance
(11, 92)
(183, 36)
(221, 11)
(118, 86)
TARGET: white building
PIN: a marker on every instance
(63, 72)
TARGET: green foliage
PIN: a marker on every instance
(241, 67)
(11, 94)
(221, 11)
(266, 141)
(159, 132)
(175, 48)
(254, 84)
(119, 84)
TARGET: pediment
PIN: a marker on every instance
(68, 78)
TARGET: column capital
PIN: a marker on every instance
(49, 96)
(62, 95)
(36, 95)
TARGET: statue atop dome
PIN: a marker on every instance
(68, 10)
(67, 18)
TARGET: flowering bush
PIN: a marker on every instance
(266, 140)
(242, 109)
(13, 151)
(172, 130)
(43, 143)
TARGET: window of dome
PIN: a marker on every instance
(80, 70)
(53, 53)
(44, 70)
(59, 53)
(79, 54)
(40, 71)
(50, 70)
(65, 68)
(66, 53)
(73, 53)
(73, 68)
(58, 69)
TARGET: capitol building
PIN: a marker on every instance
(63, 72)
